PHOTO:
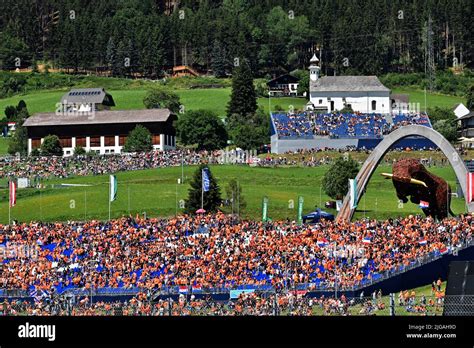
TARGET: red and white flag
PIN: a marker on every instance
(12, 188)
(470, 187)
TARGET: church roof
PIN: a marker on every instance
(347, 84)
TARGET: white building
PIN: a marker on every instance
(365, 94)
(285, 85)
(460, 110)
(104, 132)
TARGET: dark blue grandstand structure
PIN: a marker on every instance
(308, 130)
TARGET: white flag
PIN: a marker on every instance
(113, 188)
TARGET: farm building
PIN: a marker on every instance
(86, 100)
(466, 125)
(284, 85)
(104, 132)
(184, 70)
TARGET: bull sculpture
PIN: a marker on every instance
(410, 178)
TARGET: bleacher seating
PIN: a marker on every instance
(306, 125)
(293, 126)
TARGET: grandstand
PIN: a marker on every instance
(127, 256)
(310, 130)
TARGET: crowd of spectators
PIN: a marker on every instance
(133, 252)
(43, 167)
(292, 125)
(63, 167)
(418, 118)
(342, 125)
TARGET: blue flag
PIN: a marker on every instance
(206, 183)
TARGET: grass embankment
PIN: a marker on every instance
(156, 192)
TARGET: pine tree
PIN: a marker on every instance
(243, 99)
(19, 141)
(212, 198)
(218, 60)
(119, 67)
(111, 54)
(470, 98)
(132, 53)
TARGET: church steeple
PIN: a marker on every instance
(314, 68)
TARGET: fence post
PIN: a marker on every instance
(275, 304)
(392, 304)
(169, 306)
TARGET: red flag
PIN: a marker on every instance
(12, 187)
(470, 187)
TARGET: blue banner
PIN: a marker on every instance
(206, 183)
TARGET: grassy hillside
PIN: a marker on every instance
(125, 99)
(156, 192)
(44, 91)
(128, 94)
(3, 145)
(432, 99)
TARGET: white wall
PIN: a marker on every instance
(102, 149)
(360, 101)
(292, 89)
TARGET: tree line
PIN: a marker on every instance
(148, 37)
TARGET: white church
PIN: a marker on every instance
(365, 94)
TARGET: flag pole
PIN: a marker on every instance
(238, 201)
(448, 199)
(202, 191)
(110, 188)
(41, 206)
(10, 200)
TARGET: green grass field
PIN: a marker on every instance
(126, 99)
(3, 145)
(399, 310)
(213, 99)
(128, 94)
(156, 192)
(432, 99)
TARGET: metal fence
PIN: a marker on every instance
(268, 303)
(459, 305)
(426, 259)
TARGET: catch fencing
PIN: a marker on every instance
(269, 303)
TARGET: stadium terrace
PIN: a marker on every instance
(216, 254)
(309, 129)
